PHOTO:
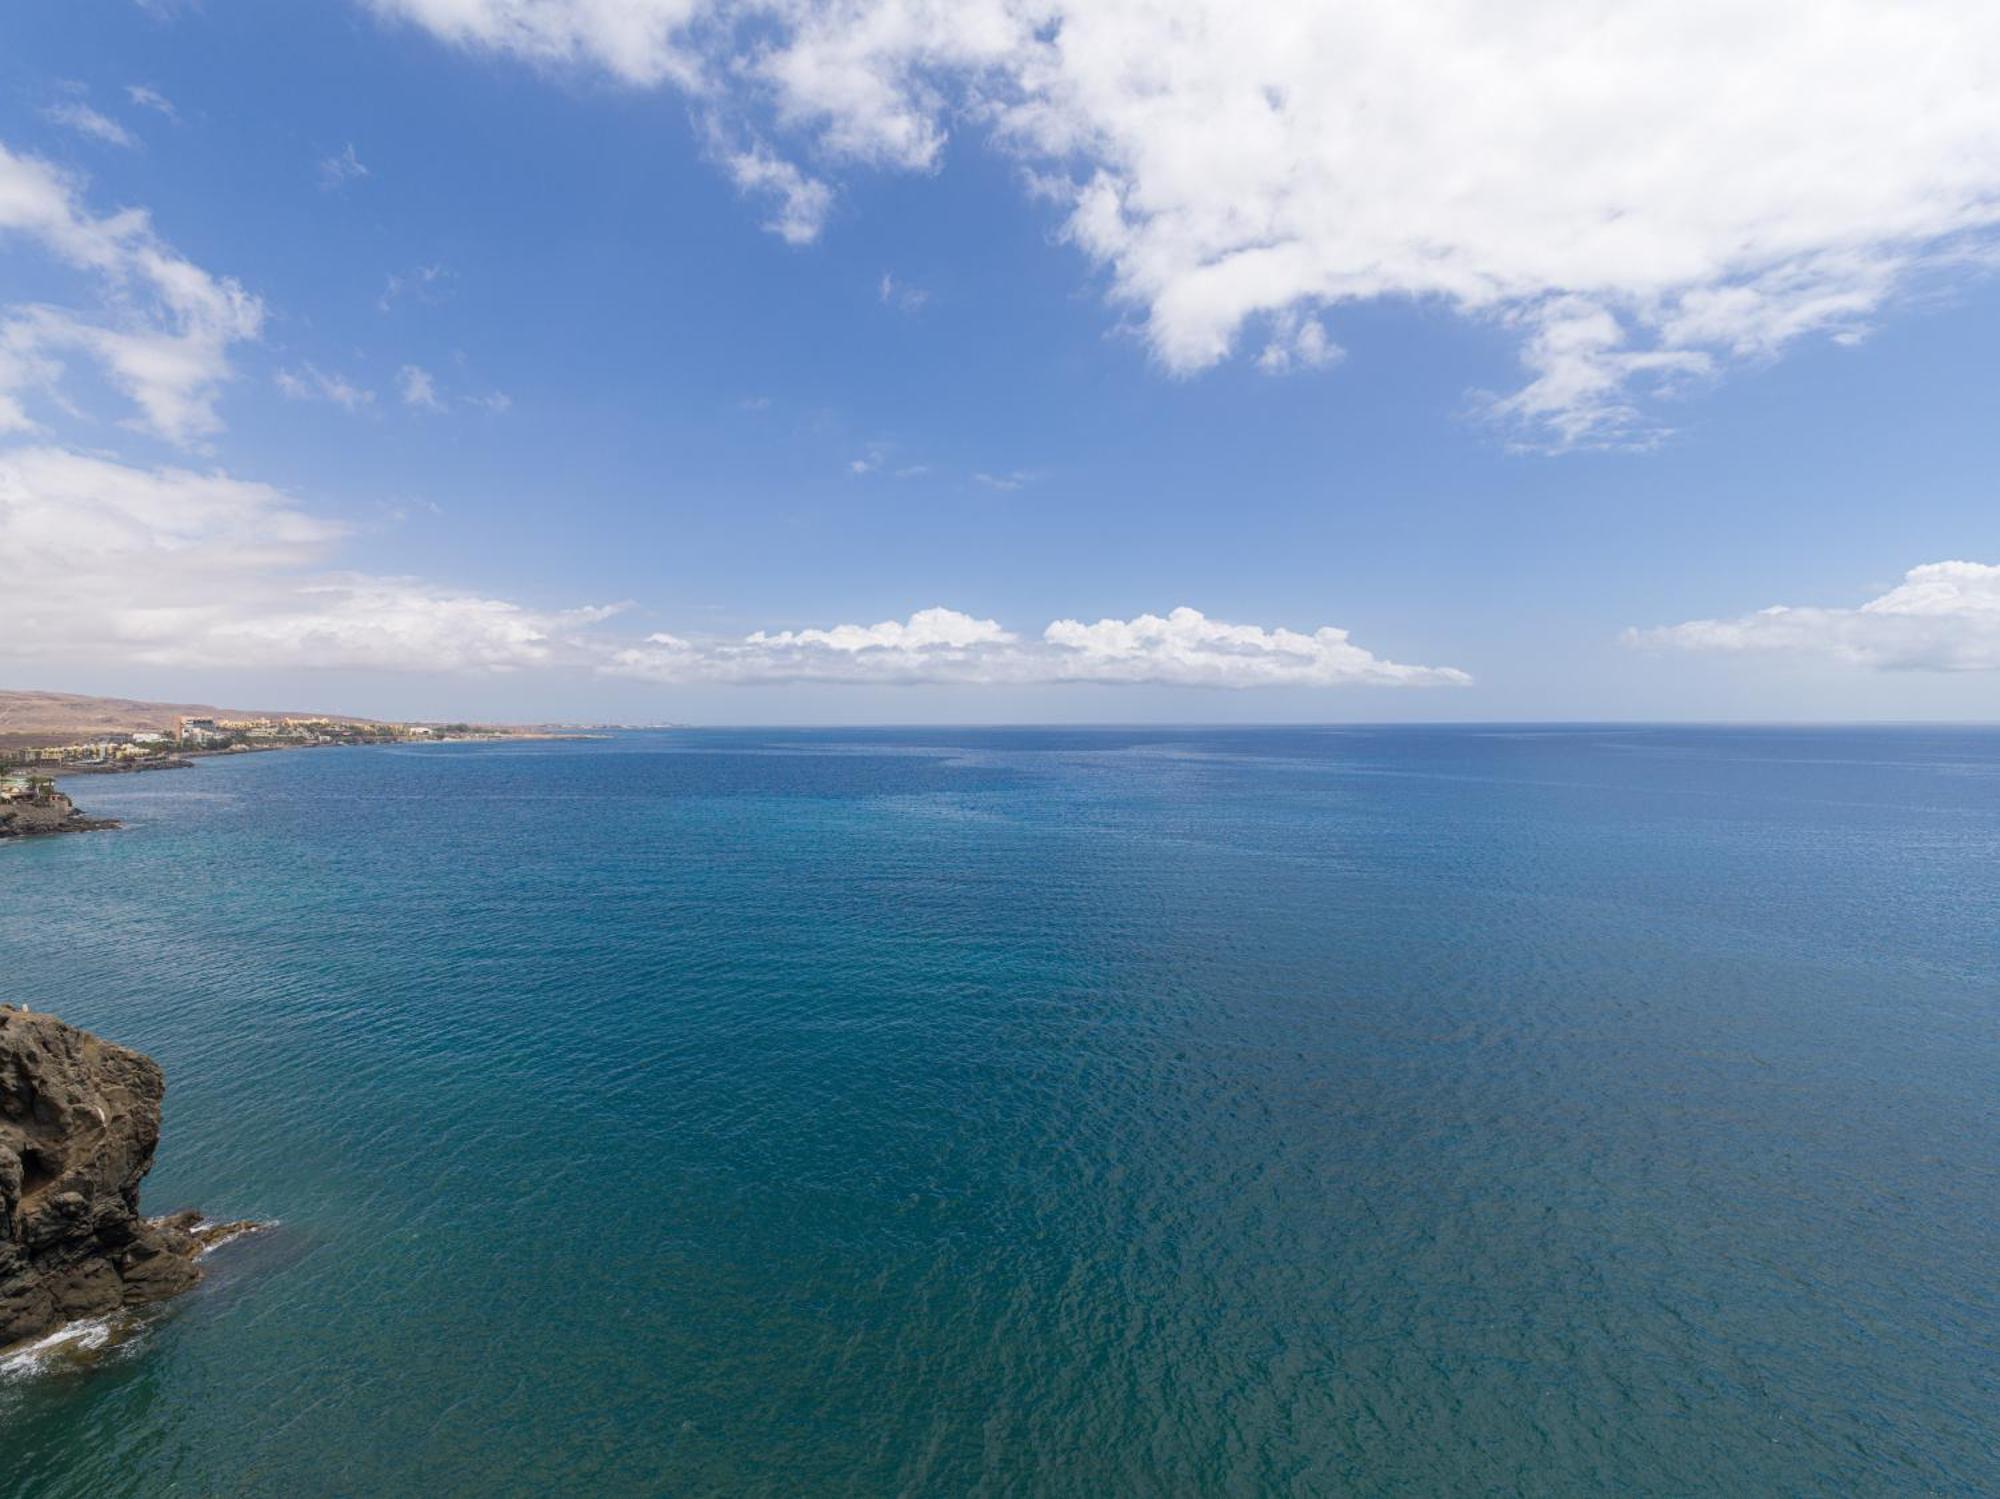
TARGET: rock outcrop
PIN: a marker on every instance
(79, 1119)
(37, 807)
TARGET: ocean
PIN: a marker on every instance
(1304, 1111)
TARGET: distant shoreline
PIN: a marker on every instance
(183, 759)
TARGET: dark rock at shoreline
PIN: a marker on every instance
(75, 824)
(45, 810)
(79, 1120)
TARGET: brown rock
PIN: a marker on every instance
(79, 1120)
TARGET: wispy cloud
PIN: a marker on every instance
(310, 383)
(799, 204)
(900, 294)
(424, 284)
(417, 388)
(1005, 483)
(341, 168)
(80, 117)
(151, 98)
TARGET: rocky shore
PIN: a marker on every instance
(39, 808)
(79, 1121)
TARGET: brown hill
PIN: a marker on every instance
(32, 718)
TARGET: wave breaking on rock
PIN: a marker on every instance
(79, 1122)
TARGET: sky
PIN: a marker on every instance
(792, 361)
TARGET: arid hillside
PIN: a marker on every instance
(28, 718)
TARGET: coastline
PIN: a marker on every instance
(31, 806)
(183, 759)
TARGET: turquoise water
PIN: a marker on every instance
(1386, 1112)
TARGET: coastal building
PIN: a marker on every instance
(31, 804)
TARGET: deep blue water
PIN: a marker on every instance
(1305, 1111)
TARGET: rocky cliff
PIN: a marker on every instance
(79, 1119)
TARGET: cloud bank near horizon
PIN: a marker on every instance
(939, 646)
(1943, 616)
(1642, 196)
(101, 560)
(169, 567)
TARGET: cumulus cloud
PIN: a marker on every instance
(1643, 194)
(165, 327)
(1187, 648)
(170, 567)
(1943, 616)
(1184, 648)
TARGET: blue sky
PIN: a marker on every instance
(519, 375)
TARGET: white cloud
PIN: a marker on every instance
(634, 39)
(933, 645)
(800, 204)
(418, 388)
(1644, 193)
(80, 117)
(310, 383)
(1185, 648)
(876, 457)
(1943, 616)
(495, 401)
(423, 284)
(900, 294)
(169, 567)
(165, 328)
(151, 98)
(1298, 343)
(1005, 483)
(104, 561)
(336, 171)
(926, 630)
(1189, 649)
